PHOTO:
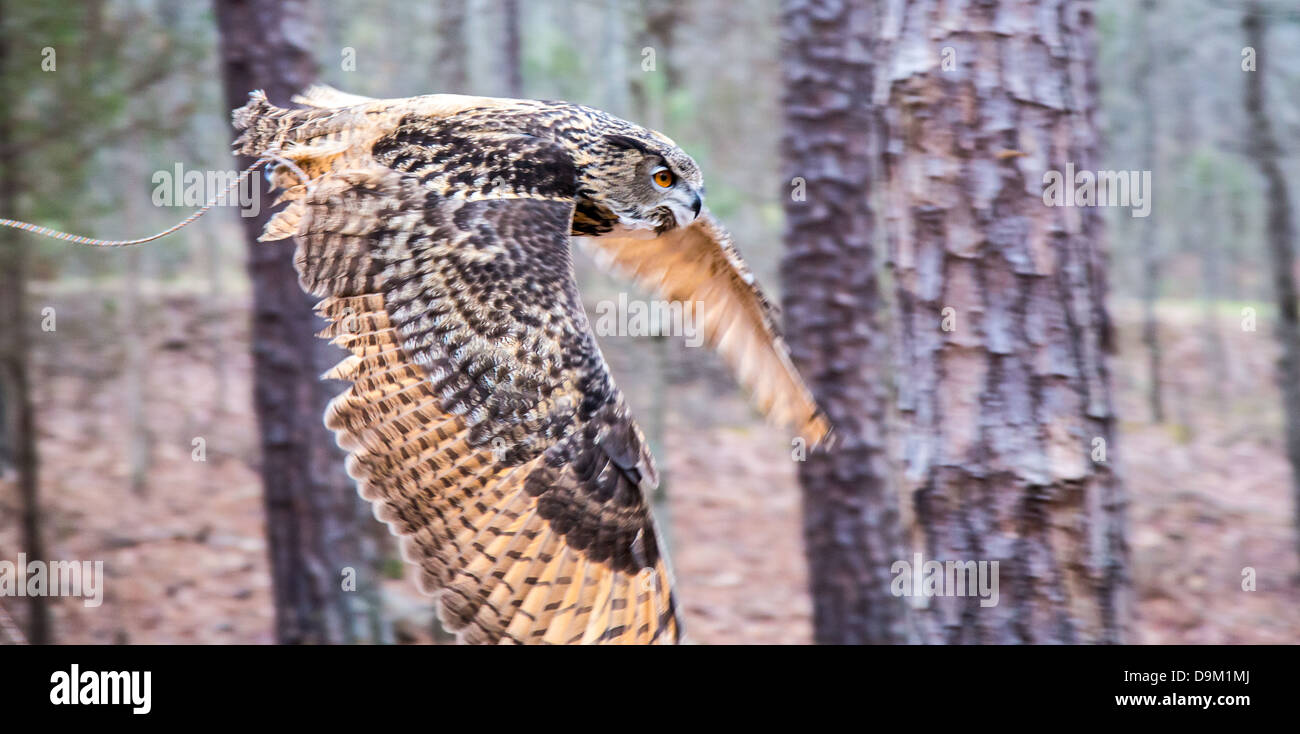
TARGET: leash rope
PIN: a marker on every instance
(95, 242)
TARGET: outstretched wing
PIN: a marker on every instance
(699, 264)
(481, 419)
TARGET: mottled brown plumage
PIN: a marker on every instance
(482, 420)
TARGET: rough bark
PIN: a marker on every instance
(18, 433)
(832, 302)
(314, 524)
(1280, 233)
(1004, 414)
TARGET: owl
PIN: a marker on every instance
(482, 421)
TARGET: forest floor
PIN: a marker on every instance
(185, 554)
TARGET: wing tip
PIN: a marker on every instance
(256, 105)
(818, 431)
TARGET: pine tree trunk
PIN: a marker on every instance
(1008, 432)
(453, 53)
(1280, 233)
(662, 20)
(18, 432)
(1149, 239)
(511, 51)
(314, 527)
(614, 54)
(1211, 202)
(658, 32)
(832, 302)
(134, 336)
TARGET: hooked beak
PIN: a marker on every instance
(682, 216)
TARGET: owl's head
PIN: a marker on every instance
(646, 183)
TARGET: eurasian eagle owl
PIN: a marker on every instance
(482, 420)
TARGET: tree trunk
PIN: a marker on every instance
(832, 301)
(1148, 237)
(18, 432)
(614, 54)
(662, 19)
(1280, 232)
(453, 53)
(1211, 204)
(314, 526)
(1004, 390)
(511, 52)
(134, 332)
(658, 32)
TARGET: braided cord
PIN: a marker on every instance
(93, 242)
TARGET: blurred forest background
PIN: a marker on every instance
(152, 345)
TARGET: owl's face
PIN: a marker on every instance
(648, 184)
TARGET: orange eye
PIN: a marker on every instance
(663, 177)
